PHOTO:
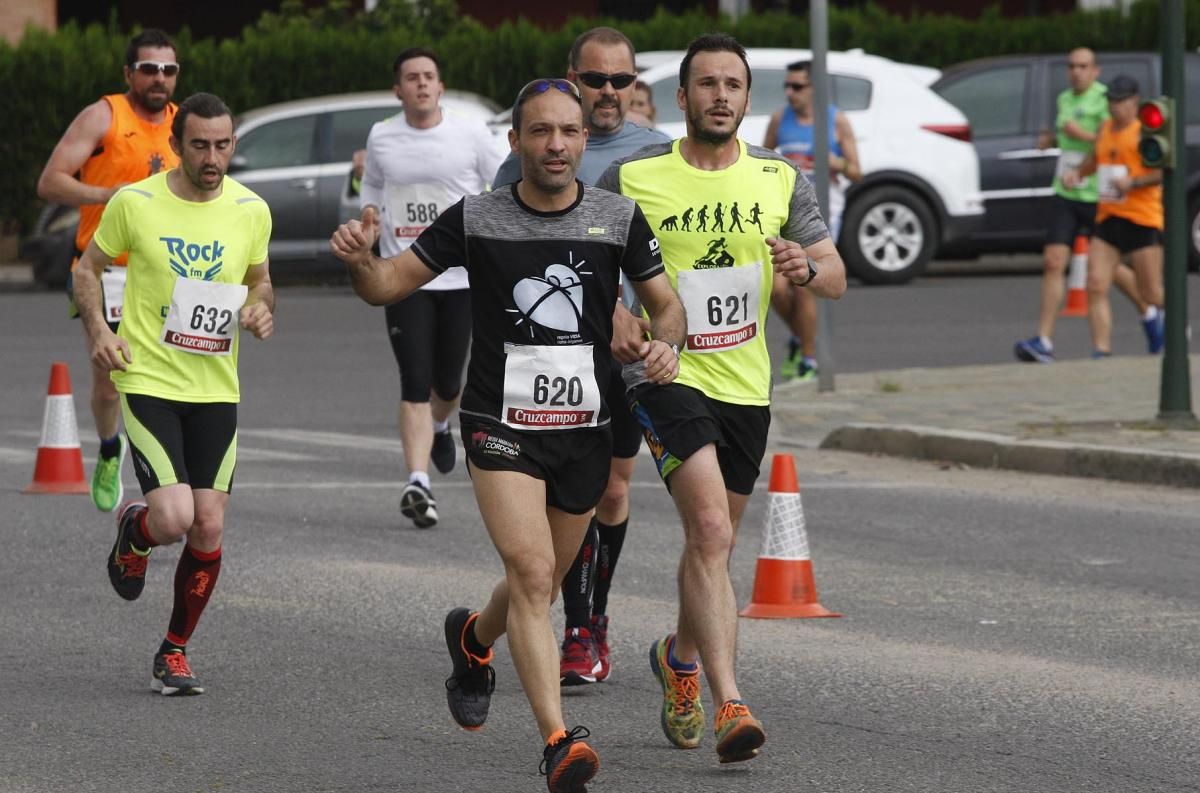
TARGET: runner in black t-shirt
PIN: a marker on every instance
(543, 257)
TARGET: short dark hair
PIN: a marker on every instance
(712, 42)
(600, 35)
(150, 37)
(203, 105)
(415, 52)
(800, 66)
(537, 88)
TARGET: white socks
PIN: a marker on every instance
(441, 426)
(420, 477)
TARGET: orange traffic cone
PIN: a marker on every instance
(1077, 302)
(783, 581)
(59, 467)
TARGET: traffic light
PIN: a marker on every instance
(1158, 125)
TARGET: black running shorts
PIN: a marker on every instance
(1068, 219)
(188, 443)
(1127, 236)
(574, 464)
(430, 332)
(626, 432)
(679, 420)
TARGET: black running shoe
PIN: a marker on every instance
(443, 452)
(173, 677)
(126, 564)
(469, 689)
(569, 763)
(418, 504)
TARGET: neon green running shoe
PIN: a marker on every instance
(682, 712)
(107, 489)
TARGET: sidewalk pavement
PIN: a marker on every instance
(1074, 418)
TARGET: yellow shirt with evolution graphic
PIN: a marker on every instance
(169, 238)
(712, 227)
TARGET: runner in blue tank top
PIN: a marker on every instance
(790, 132)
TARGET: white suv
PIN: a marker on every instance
(920, 188)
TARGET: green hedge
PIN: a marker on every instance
(48, 78)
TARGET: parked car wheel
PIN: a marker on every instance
(889, 235)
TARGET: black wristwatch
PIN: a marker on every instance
(812, 273)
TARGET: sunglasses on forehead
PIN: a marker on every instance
(151, 68)
(598, 79)
(543, 85)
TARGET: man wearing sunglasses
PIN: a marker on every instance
(601, 64)
(708, 429)
(790, 132)
(119, 139)
(543, 256)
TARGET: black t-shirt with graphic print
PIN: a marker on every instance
(540, 280)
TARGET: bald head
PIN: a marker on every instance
(1082, 70)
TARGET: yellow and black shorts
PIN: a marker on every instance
(189, 443)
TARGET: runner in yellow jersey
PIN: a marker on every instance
(732, 219)
(197, 272)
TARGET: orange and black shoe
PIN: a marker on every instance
(469, 688)
(739, 735)
(126, 563)
(568, 763)
(173, 676)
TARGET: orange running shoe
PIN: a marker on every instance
(739, 735)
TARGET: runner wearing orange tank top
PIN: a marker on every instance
(116, 140)
(1129, 219)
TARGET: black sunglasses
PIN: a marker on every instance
(151, 68)
(797, 86)
(598, 79)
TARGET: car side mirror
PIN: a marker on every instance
(238, 163)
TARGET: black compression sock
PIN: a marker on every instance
(609, 550)
(580, 581)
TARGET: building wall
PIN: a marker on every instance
(15, 15)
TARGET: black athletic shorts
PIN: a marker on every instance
(1127, 236)
(1068, 219)
(574, 463)
(430, 331)
(626, 432)
(679, 420)
(188, 443)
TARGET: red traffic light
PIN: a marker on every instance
(1152, 116)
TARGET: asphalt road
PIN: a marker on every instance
(1002, 632)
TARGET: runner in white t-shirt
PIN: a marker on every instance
(419, 163)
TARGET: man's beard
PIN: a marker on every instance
(709, 136)
(154, 103)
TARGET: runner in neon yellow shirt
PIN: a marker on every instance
(733, 220)
(198, 273)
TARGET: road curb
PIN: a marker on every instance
(988, 450)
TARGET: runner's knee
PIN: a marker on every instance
(709, 534)
(532, 578)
